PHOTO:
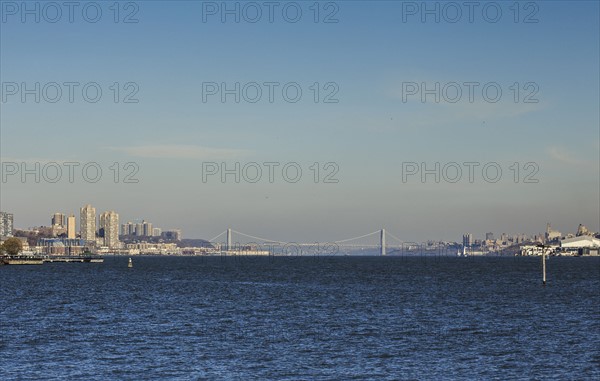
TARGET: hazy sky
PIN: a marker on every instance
(368, 61)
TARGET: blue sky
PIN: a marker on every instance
(369, 133)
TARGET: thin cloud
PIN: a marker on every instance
(32, 160)
(180, 151)
(564, 156)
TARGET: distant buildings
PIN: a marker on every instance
(6, 224)
(140, 229)
(87, 224)
(583, 231)
(102, 235)
(552, 235)
(517, 243)
(146, 229)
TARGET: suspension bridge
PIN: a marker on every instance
(377, 240)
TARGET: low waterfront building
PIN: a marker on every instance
(200, 251)
(154, 248)
(60, 246)
(581, 241)
(582, 245)
(535, 250)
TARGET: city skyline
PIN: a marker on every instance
(147, 231)
(212, 230)
(140, 238)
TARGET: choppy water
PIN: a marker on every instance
(341, 318)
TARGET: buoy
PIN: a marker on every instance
(130, 264)
(544, 268)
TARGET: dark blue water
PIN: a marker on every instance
(341, 318)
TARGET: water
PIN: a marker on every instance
(339, 318)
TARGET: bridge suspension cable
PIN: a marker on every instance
(352, 239)
(282, 242)
(213, 239)
(311, 244)
(258, 238)
(394, 237)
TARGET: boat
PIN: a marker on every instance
(130, 263)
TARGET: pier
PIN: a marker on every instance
(22, 260)
(74, 259)
(40, 260)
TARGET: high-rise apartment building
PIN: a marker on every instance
(128, 228)
(468, 240)
(6, 224)
(139, 229)
(148, 229)
(109, 222)
(87, 223)
(59, 220)
(71, 226)
(102, 223)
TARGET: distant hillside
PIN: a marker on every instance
(514, 249)
(194, 242)
(32, 237)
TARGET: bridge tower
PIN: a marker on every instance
(382, 242)
(228, 239)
